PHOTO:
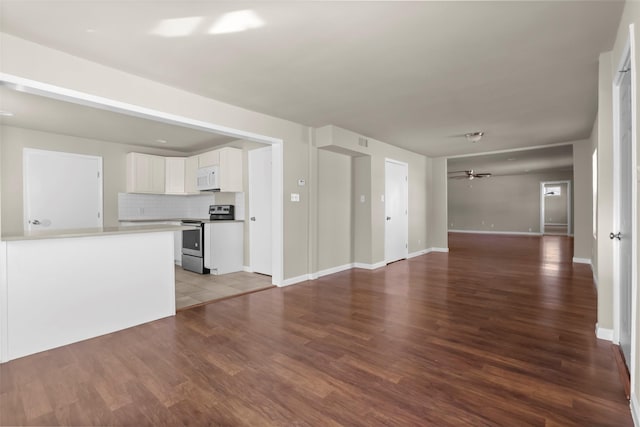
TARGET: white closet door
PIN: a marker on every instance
(61, 190)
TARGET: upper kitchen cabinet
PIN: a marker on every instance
(145, 173)
(174, 182)
(229, 161)
(191, 175)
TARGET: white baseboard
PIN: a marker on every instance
(438, 249)
(247, 269)
(332, 270)
(369, 266)
(418, 253)
(635, 409)
(514, 233)
(604, 334)
(178, 262)
(294, 280)
(582, 260)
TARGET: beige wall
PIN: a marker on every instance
(582, 200)
(438, 211)
(113, 166)
(362, 210)
(334, 210)
(500, 203)
(347, 143)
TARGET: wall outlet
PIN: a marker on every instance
(529, 229)
(295, 197)
(362, 198)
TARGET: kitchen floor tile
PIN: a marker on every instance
(194, 289)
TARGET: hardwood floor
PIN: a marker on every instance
(498, 332)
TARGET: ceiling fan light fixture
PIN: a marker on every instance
(474, 136)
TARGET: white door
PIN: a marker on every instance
(61, 190)
(260, 210)
(396, 196)
(624, 216)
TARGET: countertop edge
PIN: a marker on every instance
(93, 232)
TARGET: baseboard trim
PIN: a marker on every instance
(369, 266)
(581, 260)
(294, 280)
(418, 253)
(514, 233)
(604, 334)
(635, 409)
(247, 269)
(438, 249)
(332, 270)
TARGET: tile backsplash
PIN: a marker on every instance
(161, 206)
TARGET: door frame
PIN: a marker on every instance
(51, 91)
(626, 59)
(542, 205)
(25, 178)
(405, 197)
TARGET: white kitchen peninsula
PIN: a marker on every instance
(64, 286)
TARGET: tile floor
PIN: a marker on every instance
(194, 289)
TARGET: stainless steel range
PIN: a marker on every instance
(193, 247)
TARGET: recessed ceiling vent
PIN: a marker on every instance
(363, 142)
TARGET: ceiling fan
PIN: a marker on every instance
(468, 174)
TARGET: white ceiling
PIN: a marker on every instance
(412, 74)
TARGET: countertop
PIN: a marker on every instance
(204, 220)
(88, 232)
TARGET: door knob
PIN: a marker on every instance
(388, 218)
(615, 236)
(253, 218)
(34, 222)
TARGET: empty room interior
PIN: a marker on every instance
(319, 213)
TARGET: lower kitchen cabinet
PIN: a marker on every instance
(223, 246)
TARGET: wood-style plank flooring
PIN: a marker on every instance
(498, 332)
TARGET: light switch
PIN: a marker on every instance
(295, 197)
(362, 199)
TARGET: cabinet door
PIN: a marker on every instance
(231, 169)
(145, 173)
(191, 175)
(210, 158)
(174, 175)
(157, 174)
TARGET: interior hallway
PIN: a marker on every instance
(500, 331)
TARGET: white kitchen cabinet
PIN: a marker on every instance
(174, 182)
(229, 161)
(191, 175)
(210, 158)
(145, 173)
(223, 246)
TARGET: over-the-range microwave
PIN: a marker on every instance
(208, 179)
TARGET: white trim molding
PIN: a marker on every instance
(418, 253)
(604, 334)
(369, 266)
(635, 409)
(515, 233)
(438, 249)
(581, 260)
(331, 270)
(247, 269)
(295, 280)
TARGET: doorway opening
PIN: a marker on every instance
(396, 199)
(555, 208)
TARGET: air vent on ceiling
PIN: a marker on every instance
(363, 142)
